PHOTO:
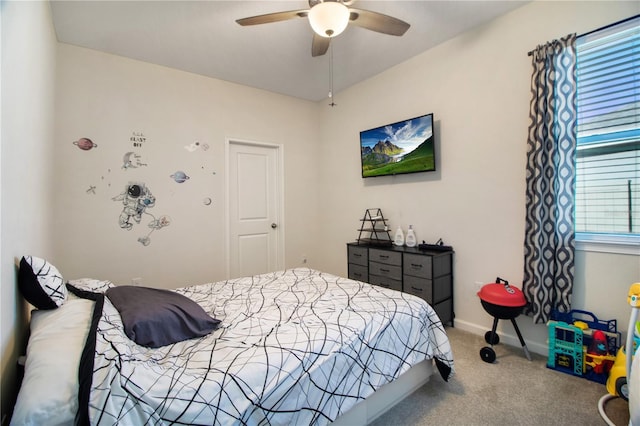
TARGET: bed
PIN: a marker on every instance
(291, 347)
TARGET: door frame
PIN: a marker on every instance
(279, 176)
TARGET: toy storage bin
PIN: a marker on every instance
(570, 336)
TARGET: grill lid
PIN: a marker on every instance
(502, 294)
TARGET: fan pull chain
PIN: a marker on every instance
(331, 98)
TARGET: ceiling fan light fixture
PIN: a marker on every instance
(329, 18)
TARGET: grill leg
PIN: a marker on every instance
(493, 330)
(524, 346)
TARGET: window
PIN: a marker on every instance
(607, 203)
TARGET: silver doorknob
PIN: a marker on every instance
(274, 226)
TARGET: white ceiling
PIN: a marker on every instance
(202, 37)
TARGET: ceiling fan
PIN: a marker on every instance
(329, 18)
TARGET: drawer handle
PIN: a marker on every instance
(415, 288)
(384, 270)
(357, 255)
(416, 265)
(384, 256)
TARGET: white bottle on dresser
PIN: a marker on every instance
(411, 237)
(399, 238)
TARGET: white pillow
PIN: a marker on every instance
(49, 391)
(41, 283)
(92, 285)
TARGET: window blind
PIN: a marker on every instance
(608, 154)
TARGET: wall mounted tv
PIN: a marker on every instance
(403, 147)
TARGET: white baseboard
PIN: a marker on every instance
(509, 339)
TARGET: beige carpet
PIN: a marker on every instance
(511, 391)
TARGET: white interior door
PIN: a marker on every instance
(254, 193)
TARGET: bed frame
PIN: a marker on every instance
(387, 396)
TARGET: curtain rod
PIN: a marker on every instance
(598, 29)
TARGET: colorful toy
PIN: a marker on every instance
(582, 345)
(598, 345)
(618, 383)
(581, 325)
(597, 356)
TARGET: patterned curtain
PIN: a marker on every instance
(549, 232)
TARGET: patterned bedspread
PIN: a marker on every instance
(295, 347)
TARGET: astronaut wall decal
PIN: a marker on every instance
(136, 199)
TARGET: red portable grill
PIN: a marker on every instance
(501, 301)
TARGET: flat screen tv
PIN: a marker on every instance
(403, 147)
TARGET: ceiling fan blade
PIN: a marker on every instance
(320, 45)
(273, 17)
(378, 22)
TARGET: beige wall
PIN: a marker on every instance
(477, 86)
(28, 63)
(109, 98)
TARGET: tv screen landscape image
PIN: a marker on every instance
(403, 147)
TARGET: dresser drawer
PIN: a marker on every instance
(426, 266)
(433, 291)
(441, 265)
(417, 265)
(385, 256)
(358, 255)
(418, 287)
(384, 270)
(445, 311)
(385, 282)
(442, 288)
(358, 272)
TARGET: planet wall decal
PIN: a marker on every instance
(179, 176)
(85, 144)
